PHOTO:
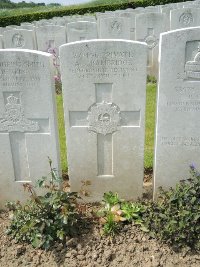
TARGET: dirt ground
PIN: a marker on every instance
(131, 247)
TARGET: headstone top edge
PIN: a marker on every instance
(81, 21)
(102, 41)
(18, 30)
(25, 51)
(179, 30)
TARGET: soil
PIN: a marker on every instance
(130, 248)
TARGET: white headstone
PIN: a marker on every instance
(20, 39)
(131, 16)
(105, 130)
(1, 42)
(114, 28)
(148, 29)
(81, 30)
(28, 126)
(184, 18)
(50, 37)
(178, 107)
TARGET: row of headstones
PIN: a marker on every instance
(141, 24)
(104, 88)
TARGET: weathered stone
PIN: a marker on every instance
(28, 127)
(177, 131)
(104, 100)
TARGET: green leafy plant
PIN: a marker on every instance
(175, 217)
(45, 219)
(116, 211)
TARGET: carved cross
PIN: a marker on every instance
(17, 126)
(151, 41)
(104, 118)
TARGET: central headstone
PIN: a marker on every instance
(104, 100)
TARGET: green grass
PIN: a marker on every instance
(149, 136)
(150, 125)
(61, 128)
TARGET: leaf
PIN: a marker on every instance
(144, 229)
(36, 243)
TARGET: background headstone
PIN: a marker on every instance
(114, 28)
(28, 126)
(148, 29)
(178, 107)
(105, 130)
(50, 37)
(81, 30)
(20, 39)
(1, 42)
(184, 18)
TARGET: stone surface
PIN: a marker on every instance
(1, 42)
(148, 29)
(104, 88)
(81, 30)
(19, 38)
(131, 17)
(28, 126)
(114, 28)
(184, 18)
(178, 107)
(50, 37)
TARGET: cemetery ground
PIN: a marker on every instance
(89, 247)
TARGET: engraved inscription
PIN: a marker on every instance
(20, 72)
(186, 19)
(103, 118)
(104, 65)
(180, 141)
(18, 40)
(186, 106)
(14, 119)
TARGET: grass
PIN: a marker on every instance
(149, 136)
(150, 125)
(61, 128)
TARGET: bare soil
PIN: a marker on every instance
(130, 248)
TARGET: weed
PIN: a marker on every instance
(45, 219)
(175, 217)
(116, 211)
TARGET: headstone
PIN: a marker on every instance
(50, 37)
(28, 126)
(148, 29)
(1, 42)
(131, 17)
(114, 28)
(184, 18)
(178, 107)
(81, 30)
(19, 38)
(105, 130)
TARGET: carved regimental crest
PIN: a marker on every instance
(115, 27)
(186, 19)
(192, 68)
(14, 119)
(18, 40)
(151, 41)
(103, 118)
